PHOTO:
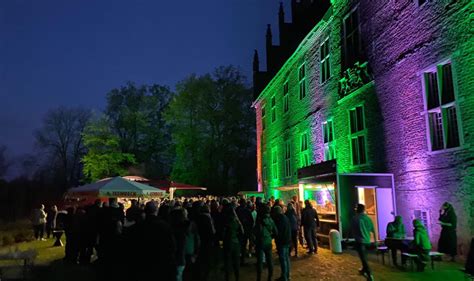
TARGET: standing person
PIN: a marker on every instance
(181, 227)
(38, 220)
(448, 239)
(396, 230)
(310, 221)
(232, 230)
(265, 230)
(361, 228)
(206, 233)
(292, 218)
(51, 220)
(421, 245)
(245, 217)
(283, 242)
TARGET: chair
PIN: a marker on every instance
(435, 256)
(411, 258)
(382, 250)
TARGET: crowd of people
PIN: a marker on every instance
(183, 239)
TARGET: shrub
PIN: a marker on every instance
(7, 240)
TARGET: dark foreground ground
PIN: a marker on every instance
(323, 266)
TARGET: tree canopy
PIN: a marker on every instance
(104, 157)
(212, 127)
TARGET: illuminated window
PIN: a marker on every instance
(273, 109)
(352, 46)
(286, 98)
(325, 63)
(288, 159)
(263, 118)
(423, 216)
(358, 135)
(302, 81)
(304, 151)
(328, 139)
(264, 168)
(274, 163)
(441, 108)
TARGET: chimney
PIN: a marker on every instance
(255, 61)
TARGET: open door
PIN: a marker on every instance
(385, 210)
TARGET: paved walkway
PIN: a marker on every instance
(343, 267)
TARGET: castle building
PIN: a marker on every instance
(370, 102)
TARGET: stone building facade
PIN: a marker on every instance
(381, 87)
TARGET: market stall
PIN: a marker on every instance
(334, 196)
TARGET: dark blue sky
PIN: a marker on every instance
(71, 53)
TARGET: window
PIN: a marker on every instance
(301, 81)
(328, 139)
(286, 98)
(424, 217)
(352, 48)
(273, 109)
(288, 159)
(304, 152)
(325, 65)
(263, 118)
(358, 135)
(441, 108)
(274, 163)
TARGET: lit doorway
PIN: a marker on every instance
(367, 196)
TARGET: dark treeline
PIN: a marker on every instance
(202, 134)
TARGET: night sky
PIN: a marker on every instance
(71, 53)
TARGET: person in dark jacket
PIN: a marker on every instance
(264, 230)
(245, 217)
(292, 218)
(51, 220)
(232, 230)
(207, 232)
(396, 231)
(448, 239)
(310, 221)
(181, 227)
(283, 242)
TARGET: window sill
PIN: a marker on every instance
(322, 84)
(360, 166)
(449, 150)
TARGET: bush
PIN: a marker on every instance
(7, 240)
(23, 237)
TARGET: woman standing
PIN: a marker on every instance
(51, 220)
(291, 215)
(448, 239)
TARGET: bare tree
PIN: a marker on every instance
(4, 164)
(60, 138)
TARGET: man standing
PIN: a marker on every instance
(361, 228)
(283, 242)
(310, 220)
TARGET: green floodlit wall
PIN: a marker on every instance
(306, 116)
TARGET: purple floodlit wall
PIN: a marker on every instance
(406, 39)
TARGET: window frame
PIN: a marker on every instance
(441, 108)
(302, 81)
(322, 61)
(287, 159)
(274, 163)
(305, 160)
(329, 145)
(345, 61)
(356, 135)
(286, 98)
